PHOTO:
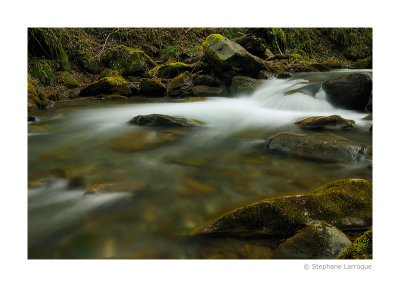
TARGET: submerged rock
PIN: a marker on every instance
(330, 122)
(181, 86)
(361, 248)
(327, 147)
(228, 58)
(244, 85)
(319, 240)
(132, 186)
(142, 140)
(349, 91)
(107, 86)
(152, 87)
(157, 120)
(343, 203)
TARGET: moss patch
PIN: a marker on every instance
(129, 61)
(107, 85)
(360, 249)
(342, 203)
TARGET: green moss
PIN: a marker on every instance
(296, 56)
(129, 61)
(169, 70)
(177, 81)
(70, 81)
(360, 249)
(109, 73)
(211, 40)
(107, 85)
(343, 203)
(36, 100)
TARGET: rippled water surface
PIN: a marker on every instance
(180, 178)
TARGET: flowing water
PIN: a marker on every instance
(182, 178)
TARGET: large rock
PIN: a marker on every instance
(343, 203)
(244, 85)
(170, 70)
(152, 87)
(206, 91)
(129, 61)
(228, 58)
(361, 248)
(107, 86)
(327, 147)
(319, 240)
(253, 45)
(181, 86)
(351, 91)
(207, 80)
(156, 120)
(330, 122)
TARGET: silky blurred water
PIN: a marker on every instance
(189, 176)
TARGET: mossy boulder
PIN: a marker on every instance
(364, 63)
(170, 70)
(107, 86)
(114, 97)
(244, 85)
(351, 91)
(181, 86)
(157, 120)
(253, 45)
(129, 61)
(36, 99)
(207, 91)
(361, 248)
(329, 122)
(88, 63)
(318, 240)
(343, 203)
(326, 147)
(228, 58)
(152, 87)
(70, 80)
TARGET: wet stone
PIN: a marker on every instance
(330, 122)
(157, 120)
(132, 186)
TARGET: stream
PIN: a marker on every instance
(182, 178)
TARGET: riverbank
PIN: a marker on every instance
(61, 62)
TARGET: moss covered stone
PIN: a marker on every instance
(343, 203)
(181, 86)
(319, 240)
(88, 63)
(36, 99)
(326, 147)
(228, 58)
(129, 61)
(329, 122)
(360, 249)
(115, 97)
(170, 70)
(107, 86)
(152, 87)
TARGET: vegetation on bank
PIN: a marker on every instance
(62, 61)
